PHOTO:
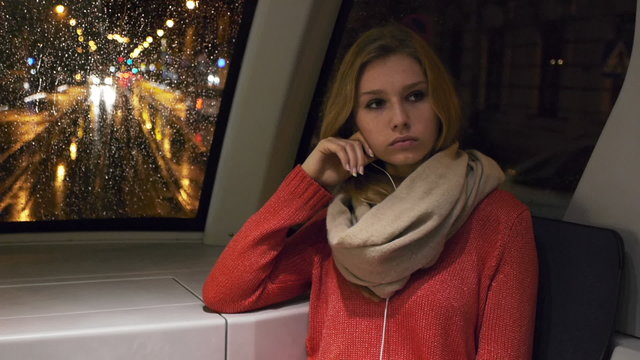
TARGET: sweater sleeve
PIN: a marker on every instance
(507, 325)
(261, 265)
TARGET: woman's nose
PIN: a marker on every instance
(399, 117)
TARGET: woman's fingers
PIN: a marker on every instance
(339, 148)
(358, 136)
(353, 153)
(366, 155)
(334, 159)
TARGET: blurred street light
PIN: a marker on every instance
(191, 4)
(170, 23)
(60, 9)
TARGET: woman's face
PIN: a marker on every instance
(394, 113)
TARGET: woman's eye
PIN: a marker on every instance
(416, 96)
(374, 104)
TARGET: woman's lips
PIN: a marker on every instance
(403, 141)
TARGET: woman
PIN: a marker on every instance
(418, 255)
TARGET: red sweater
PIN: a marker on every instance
(477, 302)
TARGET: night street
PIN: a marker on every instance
(103, 151)
(108, 108)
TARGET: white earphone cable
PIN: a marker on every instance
(386, 304)
(384, 327)
(386, 173)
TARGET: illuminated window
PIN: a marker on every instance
(112, 113)
(551, 66)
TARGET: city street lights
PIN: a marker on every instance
(191, 4)
(60, 10)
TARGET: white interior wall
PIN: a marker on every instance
(282, 61)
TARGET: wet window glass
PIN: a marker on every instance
(537, 79)
(111, 109)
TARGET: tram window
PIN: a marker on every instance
(537, 79)
(112, 112)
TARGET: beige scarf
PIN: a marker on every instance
(381, 246)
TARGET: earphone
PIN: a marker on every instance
(386, 173)
(386, 305)
(384, 327)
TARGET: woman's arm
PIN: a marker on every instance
(261, 265)
(508, 322)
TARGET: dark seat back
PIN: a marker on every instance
(580, 269)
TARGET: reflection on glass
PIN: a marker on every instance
(60, 186)
(108, 109)
(73, 151)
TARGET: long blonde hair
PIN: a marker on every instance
(338, 110)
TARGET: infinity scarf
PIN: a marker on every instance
(381, 246)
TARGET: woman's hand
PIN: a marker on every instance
(333, 160)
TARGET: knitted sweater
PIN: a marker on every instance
(477, 302)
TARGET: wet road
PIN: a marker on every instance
(103, 151)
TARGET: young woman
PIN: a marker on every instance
(417, 255)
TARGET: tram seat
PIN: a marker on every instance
(580, 270)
